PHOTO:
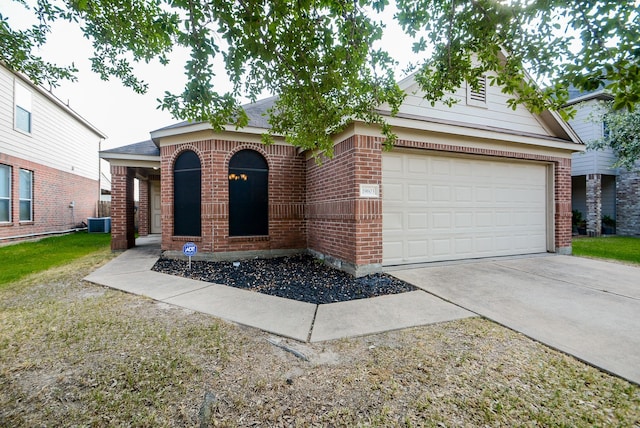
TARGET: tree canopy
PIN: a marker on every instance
(622, 134)
(318, 56)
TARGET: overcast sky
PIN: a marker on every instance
(124, 116)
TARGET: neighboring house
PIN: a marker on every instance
(49, 179)
(475, 180)
(600, 190)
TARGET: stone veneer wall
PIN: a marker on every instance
(628, 203)
(594, 204)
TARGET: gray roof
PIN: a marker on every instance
(143, 148)
(257, 113)
(596, 93)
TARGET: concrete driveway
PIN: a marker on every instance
(587, 308)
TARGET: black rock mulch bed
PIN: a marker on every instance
(299, 277)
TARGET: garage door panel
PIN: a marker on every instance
(464, 220)
(417, 249)
(416, 165)
(418, 221)
(463, 194)
(483, 194)
(441, 221)
(394, 251)
(393, 192)
(392, 166)
(446, 208)
(417, 192)
(440, 167)
(392, 222)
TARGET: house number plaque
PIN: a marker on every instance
(369, 191)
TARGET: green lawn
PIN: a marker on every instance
(623, 248)
(20, 260)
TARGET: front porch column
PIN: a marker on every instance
(122, 208)
(594, 204)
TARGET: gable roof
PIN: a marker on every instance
(576, 96)
(553, 126)
(144, 150)
(495, 117)
(55, 100)
(257, 113)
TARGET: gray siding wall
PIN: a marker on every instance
(591, 161)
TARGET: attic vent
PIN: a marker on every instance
(478, 97)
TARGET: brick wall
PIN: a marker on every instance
(53, 191)
(340, 224)
(319, 206)
(286, 197)
(122, 208)
(628, 203)
(562, 196)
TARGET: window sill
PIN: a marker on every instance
(186, 238)
(26, 223)
(252, 238)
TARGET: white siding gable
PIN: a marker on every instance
(495, 113)
(57, 139)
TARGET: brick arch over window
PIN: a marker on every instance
(187, 194)
(248, 194)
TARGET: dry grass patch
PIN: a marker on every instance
(72, 353)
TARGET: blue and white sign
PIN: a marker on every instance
(189, 249)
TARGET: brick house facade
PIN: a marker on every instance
(49, 173)
(335, 207)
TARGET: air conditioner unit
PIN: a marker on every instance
(99, 224)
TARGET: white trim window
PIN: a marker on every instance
(5, 193)
(22, 108)
(478, 97)
(26, 195)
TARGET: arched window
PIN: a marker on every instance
(187, 188)
(248, 194)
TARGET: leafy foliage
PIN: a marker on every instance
(622, 134)
(317, 56)
(583, 43)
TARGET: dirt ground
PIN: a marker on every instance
(76, 354)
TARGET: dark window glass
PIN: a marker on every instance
(248, 194)
(187, 187)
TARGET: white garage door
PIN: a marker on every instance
(449, 208)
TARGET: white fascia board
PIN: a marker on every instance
(599, 95)
(488, 134)
(130, 159)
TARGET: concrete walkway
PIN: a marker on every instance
(131, 272)
(587, 308)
